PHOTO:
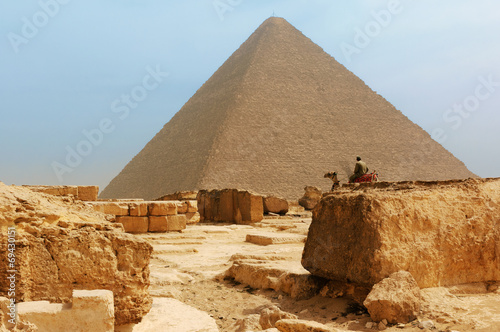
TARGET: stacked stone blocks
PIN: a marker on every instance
(150, 216)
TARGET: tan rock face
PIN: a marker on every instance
(20, 204)
(396, 299)
(275, 205)
(289, 278)
(116, 208)
(311, 197)
(230, 205)
(443, 233)
(135, 225)
(269, 316)
(55, 256)
(53, 260)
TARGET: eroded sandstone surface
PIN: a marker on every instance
(444, 233)
(62, 245)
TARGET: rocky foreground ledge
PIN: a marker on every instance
(444, 233)
(62, 245)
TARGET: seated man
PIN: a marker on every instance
(359, 170)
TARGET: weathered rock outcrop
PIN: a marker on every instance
(230, 205)
(20, 204)
(53, 256)
(311, 197)
(443, 233)
(396, 299)
(270, 315)
(279, 275)
(275, 205)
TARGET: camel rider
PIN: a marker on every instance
(359, 170)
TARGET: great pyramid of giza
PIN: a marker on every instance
(276, 116)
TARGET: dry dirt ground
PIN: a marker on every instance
(186, 266)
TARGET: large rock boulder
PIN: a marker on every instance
(275, 205)
(443, 233)
(396, 299)
(53, 256)
(311, 197)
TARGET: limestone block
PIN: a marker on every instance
(288, 277)
(158, 224)
(275, 238)
(138, 209)
(192, 218)
(90, 311)
(444, 233)
(275, 205)
(249, 208)
(115, 208)
(217, 205)
(134, 224)
(299, 325)
(225, 205)
(162, 208)
(311, 197)
(230, 205)
(176, 223)
(182, 207)
(55, 190)
(192, 206)
(88, 193)
(396, 299)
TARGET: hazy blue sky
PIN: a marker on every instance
(67, 67)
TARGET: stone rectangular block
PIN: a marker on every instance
(55, 190)
(182, 207)
(134, 224)
(230, 205)
(192, 218)
(250, 208)
(444, 233)
(98, 304)
(158, 224)
(116, 208)
(176, 223)
(138, 209)
(162, 208)
(192, 206)
(88, 193)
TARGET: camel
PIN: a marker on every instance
(369, 177)
(333, 177)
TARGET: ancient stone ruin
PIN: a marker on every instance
(277, 115)
(224, 221)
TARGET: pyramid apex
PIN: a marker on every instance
(275, 20)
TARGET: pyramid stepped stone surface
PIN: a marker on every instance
(276, 116)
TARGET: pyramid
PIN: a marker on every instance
(276, 116)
